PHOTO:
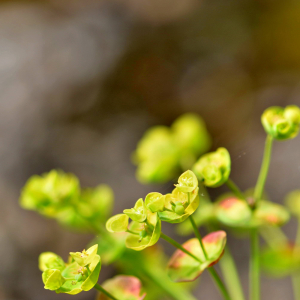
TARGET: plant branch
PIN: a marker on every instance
(99, 288)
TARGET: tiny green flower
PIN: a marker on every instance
(138, 213)
(155, 202)
(187, 182)
(85, 258)
(117, 223)
(214, 167)
(145, 234)
(50, 260)
(281, 123)
(52, 279)
(179, 206)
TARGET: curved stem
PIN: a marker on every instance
(198, 235)
(219, 283)
(259, 188)
(178, 246)
(254, 266)
(99, 288)
(235, 189)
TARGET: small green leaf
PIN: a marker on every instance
(281, 123)
(138, 213)
(122, 287)
(183, 267)
(52, 279)
(155, 202)
(85, 258)
(213, 168)
(117, 223)
(187, 182)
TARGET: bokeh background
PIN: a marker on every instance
(81, 81)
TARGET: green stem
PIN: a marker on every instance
(254, 266)
(273, 236)
(235, 189)
(219, 283)
(129, 231)
(231, 278)
(99, 288)
(259, 188)
(296, 276)
(198, 235)
(178, 246)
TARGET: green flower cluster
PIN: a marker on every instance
(79, 274)
(146, 216)
(163, 151)
(281, 123)
(58, 195)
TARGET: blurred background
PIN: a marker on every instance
(81, 81)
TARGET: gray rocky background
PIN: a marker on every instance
(80, 81)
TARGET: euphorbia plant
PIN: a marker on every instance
(132, 245)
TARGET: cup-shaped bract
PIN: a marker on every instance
(292, 201)
(52, 279)
(213, 168)
(269, 213)
(117, 223)
(80, 278)
(179, 206)
(281, 123)
(50, 192)
(138, 213)
(123, 287)
(85, 257)
(182, 267)
(233, 212)
(155, 202)
(187, 182)
(145, 234)
(50, 260)
(281, 261)
(190, 135)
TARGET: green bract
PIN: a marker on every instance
(179, 206)
(213, 168)
(74, 277)
(183, 267)
(117, 223)
(50, 193)
(123, 287)
(146, 234)
(281, 123)
(52, 279)
(138, 213)
(50, 260)
(187, 182)
(293, 202)
(155, 202)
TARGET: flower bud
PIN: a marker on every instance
(281, 123)
(52, 279)
(155, 202)
(117, 223)
(187, 182)
(213, 168)
(138, 213)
